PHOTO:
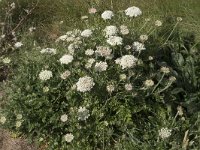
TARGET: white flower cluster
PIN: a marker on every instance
(103, 51)
(110, 30)
(68, 137)
(128, 61)
(138, 47)
(64, 118)
(89, 52)
(114, 40)
(70, 36)
(45, 75)
(164, 133)
(48, 51)
(86, 33)
(133, 11)
(101, 66)
(85, 84)
(66, 59)
(65, 74)
(106, 15)
(83, 113)
(89, 63)
(124, 30)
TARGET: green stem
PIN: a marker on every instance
(158, 83)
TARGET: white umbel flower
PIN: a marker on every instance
(103, 51)
(2, 120)
(89, 63)
(164, 133)
(68, 137)
(18, 124)
(89, 52)
(111, 31)
(66, 59)
(128, 61)
(18, 45)
(128, 87)
(65, 74)
(110, 88)
(107, 15)
(85, 84)
(124, 30)
(143, 38)
(165, 70)
(83, 113)
(45, 75)
(48, 51)
(149, 83)
(64, 118)
(114, 40)
(86, 33)
(133, 11)
(6, 60)
(19, 116)
(101, 66)
(158, 23)
(138, 47)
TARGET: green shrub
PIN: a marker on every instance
(107, 87)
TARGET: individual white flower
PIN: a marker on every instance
(18, 44)
(143, 38)
(71, 48)
(110, 88)
(68, 137)
(103, 51)
(64, 118)
(150, 58)
(179, 19)
(2, 120)
(89, 63)
(84, 17)
(133, 11)
(2, 36)
(6, 60)
(128, 87)
(89, 52)
(92, 10)
(85, 84)
(118, 61)
(158, 23)
(172, 79)
(180, 110)
(65, 74)
(124, 30)
(110, 30)
(83, 113)
(48, 51)
(66, 59)
(164, 133)
(12, 5)
(138, 47)
(62, 38)
(45, 89)
(19, 116)
(31, 29)
(122, 76)
(86, 33)
(18, 124)
(128, 61)
(107, 15)
(45, 75)
(149, 83)
(165, 70)
(114, 40)
(101, 66)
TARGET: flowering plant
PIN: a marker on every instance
(110, 84)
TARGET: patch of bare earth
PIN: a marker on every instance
(9, 143)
